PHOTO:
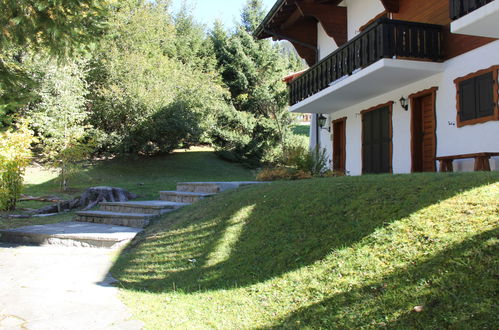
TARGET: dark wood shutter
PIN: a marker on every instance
(484, 85)
(376, 141)
(476, 97)
(467, 100)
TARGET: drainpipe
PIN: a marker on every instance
(317, 131)
(317, 115)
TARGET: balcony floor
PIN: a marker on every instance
(379, 78)
(482, 22)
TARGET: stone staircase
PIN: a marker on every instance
(115, 224)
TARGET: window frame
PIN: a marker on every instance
(495, 95)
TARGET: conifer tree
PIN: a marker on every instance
(253, 71)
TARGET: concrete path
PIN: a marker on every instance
(54, 287)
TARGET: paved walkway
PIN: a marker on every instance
(55, 287)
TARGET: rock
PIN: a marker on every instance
(91, 197)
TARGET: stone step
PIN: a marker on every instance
(212, 187)
(182, 196)
(144, 207)
(137, 220)
(78, 234)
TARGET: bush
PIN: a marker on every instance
(332, 174)
(15, 155)
(60, 116)
(282, 173)
(312, 161)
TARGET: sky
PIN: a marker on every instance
(228, 11)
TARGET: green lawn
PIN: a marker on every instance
(303, 130)
(143, 176)
(339, 253)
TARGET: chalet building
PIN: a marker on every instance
(396, 86)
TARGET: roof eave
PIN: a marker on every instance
(259, 32)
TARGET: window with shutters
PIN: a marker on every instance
(477, 97)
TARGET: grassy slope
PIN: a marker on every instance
(303, 130)
(144, 177)
(351, 252)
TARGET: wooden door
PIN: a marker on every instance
(339, 145)
(376, 141)
(423, 133)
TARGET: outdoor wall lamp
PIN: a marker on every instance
(404, 103)
(321, 120)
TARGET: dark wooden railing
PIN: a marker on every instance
(459, 8)
(383, 39)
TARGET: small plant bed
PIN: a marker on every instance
(403, 251)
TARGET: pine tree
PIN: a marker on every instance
(253, 71)
(55, 27)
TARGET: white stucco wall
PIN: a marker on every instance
(359, 12)
(325, 43)
(451, 140)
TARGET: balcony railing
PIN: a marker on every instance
(383, 39)
(459, 8)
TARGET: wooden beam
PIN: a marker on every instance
(391, 6)
(332, 18)
(292, 19)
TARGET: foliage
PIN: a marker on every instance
(48, 24)
(332, 174)
(15, 156)
(252, 70)
(282, 173)
(303, 130)
(57, 27)
(192, 45)
(339, 253)
(60, 117)
(145, 99)
(313, 161)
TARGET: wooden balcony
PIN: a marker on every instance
(383, 39)
(459, 8)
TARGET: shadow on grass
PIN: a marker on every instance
(455, 287)
(262, 232)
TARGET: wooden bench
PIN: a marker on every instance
(482, 161)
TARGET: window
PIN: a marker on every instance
(477, 97)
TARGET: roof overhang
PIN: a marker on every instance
(296, 21)
(283, 10)
(382, 77)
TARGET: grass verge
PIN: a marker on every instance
(349, 252)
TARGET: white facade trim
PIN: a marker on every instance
(483, 21)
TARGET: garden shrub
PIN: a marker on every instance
(282, 173)
(332, 174)
(60, 116)
(15, 154)
(313, 161)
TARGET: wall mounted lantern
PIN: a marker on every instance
(322, 122)
(404, 103)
